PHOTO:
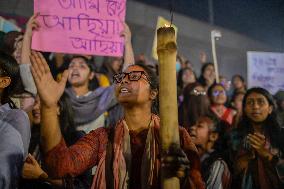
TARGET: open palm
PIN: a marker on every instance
(49, 90)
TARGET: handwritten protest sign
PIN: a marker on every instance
(266, 70)
(80, 26)
(161, 22)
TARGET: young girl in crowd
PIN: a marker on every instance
(13, 42)
(218, 98)
(258, 143)
(215, 171)
(194, 105)
(14, 124)
(239, 84)
(185, 76)
(119, 152)
(207, 76)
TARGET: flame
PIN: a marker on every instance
(167, 25)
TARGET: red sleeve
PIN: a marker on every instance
(74, 160)
(195, 166)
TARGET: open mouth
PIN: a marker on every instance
(124, 90)
(75, 75)
(192, 135)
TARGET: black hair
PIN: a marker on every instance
(210, 91)
(9, 40)
(193, 106)
(241, 78)
(88, 61)
(66, 119)
(271, 126)
(93, 83)
(107, 69)
(234, 96)
(180, 83)
(154, 85)
(10, 68)
(201, 78)
(238, 76)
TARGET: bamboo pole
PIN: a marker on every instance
(169, 132)
(214, 35)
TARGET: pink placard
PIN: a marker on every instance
(80, 26)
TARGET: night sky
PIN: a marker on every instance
(262, 20)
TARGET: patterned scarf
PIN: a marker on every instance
(122, 158)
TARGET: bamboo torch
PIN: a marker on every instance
(169, 132)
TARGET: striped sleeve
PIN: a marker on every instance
(220, 176)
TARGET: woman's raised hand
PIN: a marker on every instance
(49, 90)
(257, 142)
(32, 24)
(126, 33)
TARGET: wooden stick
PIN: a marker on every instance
(213, 35)
(169, 132)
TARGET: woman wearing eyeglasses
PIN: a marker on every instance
(128, 155)
(218, 98)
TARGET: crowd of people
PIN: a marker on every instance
(68, 122)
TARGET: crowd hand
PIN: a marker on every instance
(49, 90)
(32, 24)
(257, 142)
(175, 162)
(126, 33)
(31, 168)
(202, 57)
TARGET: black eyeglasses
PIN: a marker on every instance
(132, 76)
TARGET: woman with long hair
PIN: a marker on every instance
(207, 76)
(258, 143)
(239, 84)
(185, 76)
(127, 155)
(195, 104)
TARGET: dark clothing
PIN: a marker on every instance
(138, 141)
(260, 173)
